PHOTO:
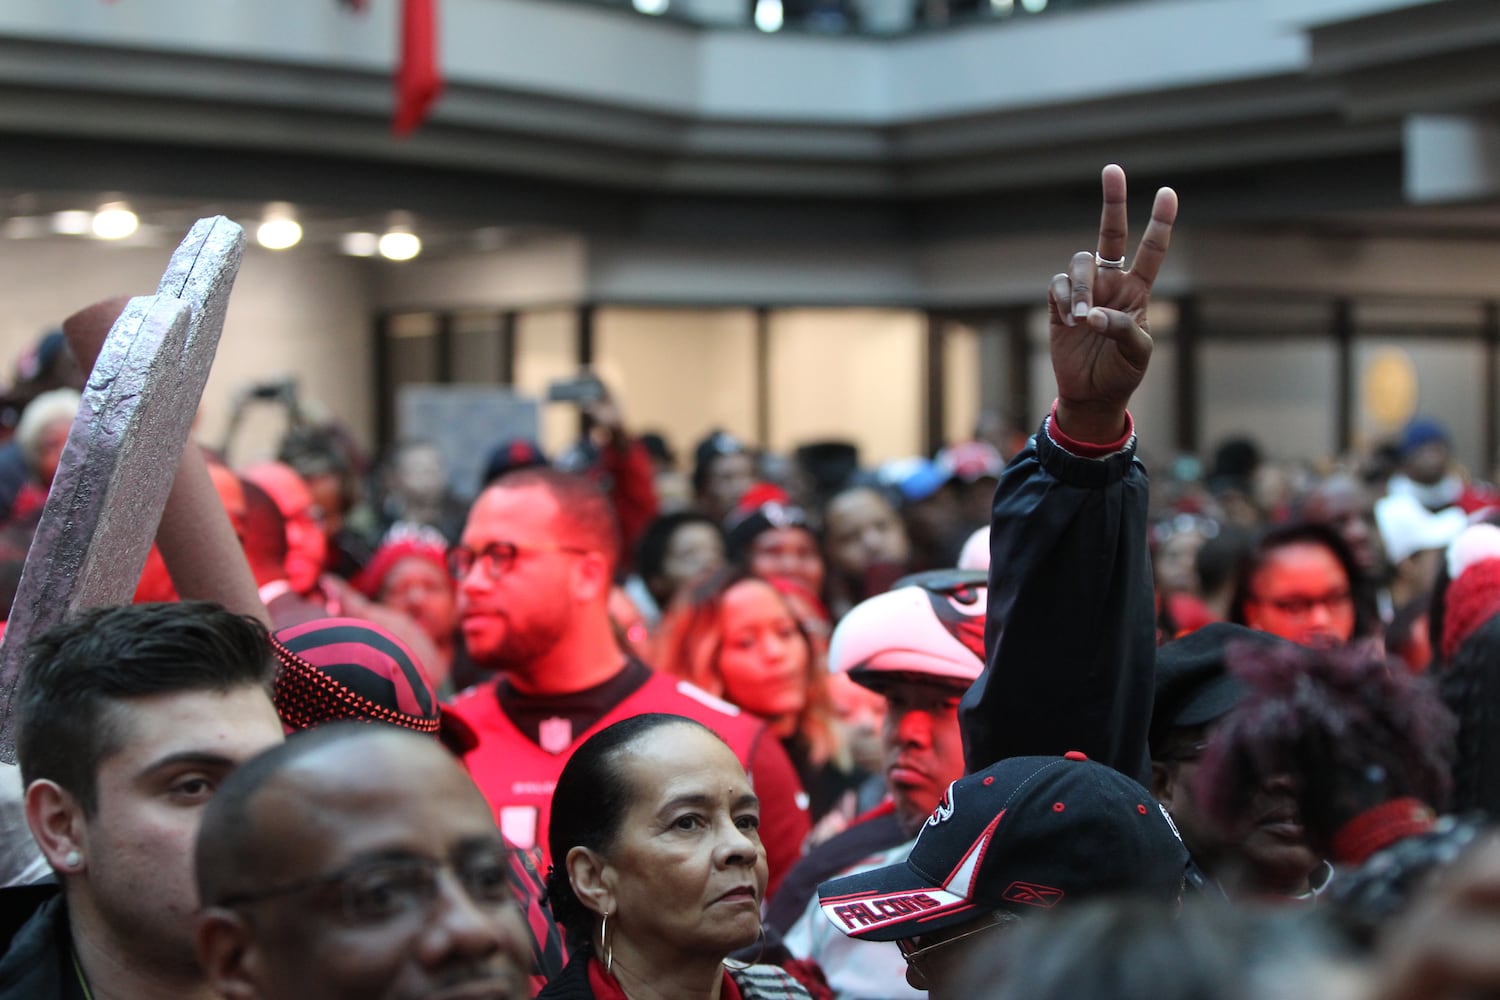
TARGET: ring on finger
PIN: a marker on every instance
(1118, 265)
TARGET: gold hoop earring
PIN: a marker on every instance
(608, 945)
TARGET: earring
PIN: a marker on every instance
(72, 859)
(607, 944)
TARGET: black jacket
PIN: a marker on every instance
(1070, 634)
(37, 958)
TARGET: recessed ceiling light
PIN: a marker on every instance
(399, 244)
(769, 15)
(279, 233)
(115, 221)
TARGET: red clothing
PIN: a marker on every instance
(517, 776)
(606, 988)
(626, 464)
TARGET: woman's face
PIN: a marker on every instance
(1302, 593)
(861, 530)
(694, 550)
(789, 552)
(763, 657)
(687, 870)
(419, 588)
(1176, 563)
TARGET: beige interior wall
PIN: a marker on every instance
(962, 371)
(853, 374)
(682, 372)
(299, 313)
(1276, 396)
(547, 349)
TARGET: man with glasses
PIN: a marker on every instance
(356, 861)
(918, 646)
(1302, 583)
(534, 569)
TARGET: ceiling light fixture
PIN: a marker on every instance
(115, 221)
(769, 15)
(279, 229)
(399, 244)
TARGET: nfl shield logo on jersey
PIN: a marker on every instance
(555, 735)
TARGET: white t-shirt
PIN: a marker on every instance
(857, 970)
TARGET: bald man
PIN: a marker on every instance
(356, 861)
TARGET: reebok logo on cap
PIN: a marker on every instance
(1030, 894)
(1021, 835)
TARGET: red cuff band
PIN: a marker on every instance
(1376, 829)
(1083, 449)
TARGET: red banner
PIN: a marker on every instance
(418, 79)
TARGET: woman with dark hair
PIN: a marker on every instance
(776, 539)
(1365, 748)
(1302, 583)
(674, 550)
(658, 868)
(738, 637)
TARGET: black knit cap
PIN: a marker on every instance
(743, 530)
(710, 448)
(1193, 683)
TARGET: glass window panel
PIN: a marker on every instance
(849, 374)
(477, 349)
(680, 372)
(1279, 394)
(546, 350)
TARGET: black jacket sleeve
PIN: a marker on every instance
(1070, 635)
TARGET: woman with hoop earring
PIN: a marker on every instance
(658, 870)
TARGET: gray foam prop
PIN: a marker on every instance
(122, 451)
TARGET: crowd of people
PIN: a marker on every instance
(1007, 722)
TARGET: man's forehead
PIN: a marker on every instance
(912, 689)
(366, 796)
(234, 724)
(522, 514)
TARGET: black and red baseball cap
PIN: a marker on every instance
(1026, 834)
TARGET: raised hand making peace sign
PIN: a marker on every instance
(1099, 338)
